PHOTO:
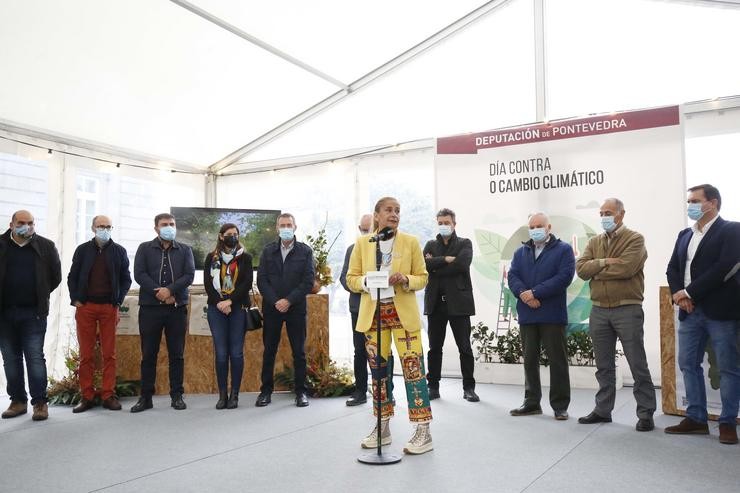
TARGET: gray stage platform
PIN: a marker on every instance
(281, 448)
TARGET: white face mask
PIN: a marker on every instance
(444, 229)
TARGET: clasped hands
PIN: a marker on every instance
(282, 305)
(164, 295)
(681, 298)
(528, 298)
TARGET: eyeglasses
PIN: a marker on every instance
(107, 228)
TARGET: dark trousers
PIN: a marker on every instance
(295, 324)
(361, 362)
(152, 321)
(22, 333)
(552, 338)
(228, 345)
(460, 326)
(360, 359)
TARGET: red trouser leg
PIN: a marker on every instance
(86, 319)
(107, 315)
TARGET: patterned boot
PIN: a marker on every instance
(421, 442)
(371, 441)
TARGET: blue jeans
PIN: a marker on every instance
(228, 345)
(22, 332)
(693, 333)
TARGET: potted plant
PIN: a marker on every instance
(321, 255)
(500, 359)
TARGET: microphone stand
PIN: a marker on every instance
(377, 458)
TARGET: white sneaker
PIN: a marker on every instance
(421, 442)
(371, 441)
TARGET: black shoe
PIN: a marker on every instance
(222, 398)
(301, 400)
(142, 404)
(645, 424)
(178, 403)
(357, 398)
(470, 395)
(83, 406)
(233, 401)
(263, 399)
(526, 410)
(433, 393)
(594, 418)
(561, 415)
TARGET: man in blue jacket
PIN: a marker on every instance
(540, 273)
(700, 277)
(164, 269)
(98, 281)
(284, 277)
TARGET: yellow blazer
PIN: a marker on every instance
(408, 260)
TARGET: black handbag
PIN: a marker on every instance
(253, 317)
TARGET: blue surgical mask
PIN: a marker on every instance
(607, 222)
(102, 234)
(24, 231)
(694, 211)
(286, 234)
(167, 233)
(538, 235)
(445, 229)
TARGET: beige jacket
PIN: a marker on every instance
(617, 284)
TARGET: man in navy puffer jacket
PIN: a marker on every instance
(540, 273)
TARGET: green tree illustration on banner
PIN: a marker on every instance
(496, 251)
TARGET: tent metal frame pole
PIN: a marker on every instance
(257, 42)
(363, 81)
(540, 59)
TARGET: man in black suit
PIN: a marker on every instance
(449, 298)
(285, 276)
(709, 302)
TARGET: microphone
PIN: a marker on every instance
(384, 234)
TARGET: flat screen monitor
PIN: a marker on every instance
(198, 227)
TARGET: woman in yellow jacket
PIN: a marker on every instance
(402, 258)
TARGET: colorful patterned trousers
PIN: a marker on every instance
(411, 354)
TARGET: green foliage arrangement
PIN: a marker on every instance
(66, 392)
(321, 255)
(507, 348)
(324, 378)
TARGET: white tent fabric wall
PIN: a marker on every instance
(71, 190)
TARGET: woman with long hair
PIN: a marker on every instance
(402, 258)
(227, 276)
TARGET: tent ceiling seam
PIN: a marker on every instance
(257, 42)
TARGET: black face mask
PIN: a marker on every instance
(231, 241)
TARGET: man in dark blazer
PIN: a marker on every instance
(449, 298)
(284, 277)
(709, 302)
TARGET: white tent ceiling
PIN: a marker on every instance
(176, 80)
(153, 77)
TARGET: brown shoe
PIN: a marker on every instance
(112, 403)
(40, 411)
(16, 408)
(83, 406)
(727, 433)
(688, 426)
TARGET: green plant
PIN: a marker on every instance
(321, 254)
(324, 378)
(509, 347)
(66, 391)
(484, 342)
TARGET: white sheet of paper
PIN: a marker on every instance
(379, 279)
(375, 279)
